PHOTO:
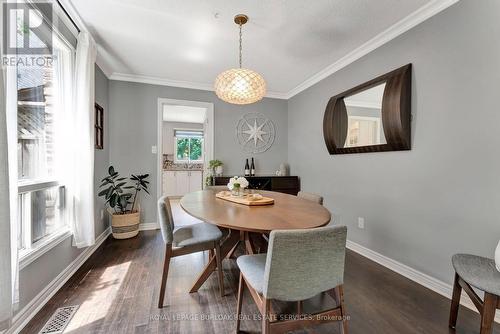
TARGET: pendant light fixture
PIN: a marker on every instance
(240, 85)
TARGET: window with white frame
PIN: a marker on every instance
(188, 146)
(43, 94)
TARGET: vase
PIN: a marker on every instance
(283, 169)
(237, 191)
(497, 256)
(219, 170)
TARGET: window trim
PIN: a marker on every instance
(38, 248)
(35, 185)
(28, 256)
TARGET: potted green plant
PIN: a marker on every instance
(216, 167)
(122, 204)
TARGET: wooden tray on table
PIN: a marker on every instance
(245, 199)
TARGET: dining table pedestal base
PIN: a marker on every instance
(254, 243)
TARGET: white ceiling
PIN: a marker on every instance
(184, 114)
(187, 43)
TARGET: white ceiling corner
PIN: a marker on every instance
(272, 39)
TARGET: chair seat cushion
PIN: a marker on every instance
(252, 267)
(196, 234)
(480, 272)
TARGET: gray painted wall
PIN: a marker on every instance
(443, 196)
(133, 130)
(37, 275)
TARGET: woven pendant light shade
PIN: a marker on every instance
(240, 86)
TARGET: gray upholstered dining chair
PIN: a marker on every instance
(481, 273)
(186, 240)
(311, 197)
(299, 265)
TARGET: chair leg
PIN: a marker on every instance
(455, 302)
(219, 268)
(339, 297)
(488, 314)
(210, 253)
(299, 308)
(241, 288)
(166, 263)
(266, 328)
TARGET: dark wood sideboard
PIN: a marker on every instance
(283, 184)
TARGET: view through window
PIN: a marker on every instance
(188, 146)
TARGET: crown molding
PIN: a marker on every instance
(158, 81)
(176, 83)
(402, 26)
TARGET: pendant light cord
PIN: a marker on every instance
(241, 48)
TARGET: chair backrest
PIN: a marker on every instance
(311, 197)
(166, 219)
(216, 188)
(303, 263)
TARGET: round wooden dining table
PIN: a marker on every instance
(249, 224)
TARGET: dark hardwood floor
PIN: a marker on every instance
(117, 290)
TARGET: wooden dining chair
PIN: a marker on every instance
(481, 273)
(311, 197)
(186, 240)
(299, 265)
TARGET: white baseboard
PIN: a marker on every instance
(148, 226)
(425, 280)
(24, 316)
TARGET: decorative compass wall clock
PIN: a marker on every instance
(255, 133)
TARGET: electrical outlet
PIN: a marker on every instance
(361, 222)
(154, 149)
(102, 214)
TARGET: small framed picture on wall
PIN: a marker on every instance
(99, 127)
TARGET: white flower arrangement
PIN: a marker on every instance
(237, 182)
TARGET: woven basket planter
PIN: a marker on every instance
(125, 226)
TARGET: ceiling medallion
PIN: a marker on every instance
(240, 85)
(255, 133)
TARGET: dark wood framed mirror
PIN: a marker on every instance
(372, 117)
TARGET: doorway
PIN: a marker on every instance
(185, 145)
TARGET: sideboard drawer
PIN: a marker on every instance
(285, 182)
